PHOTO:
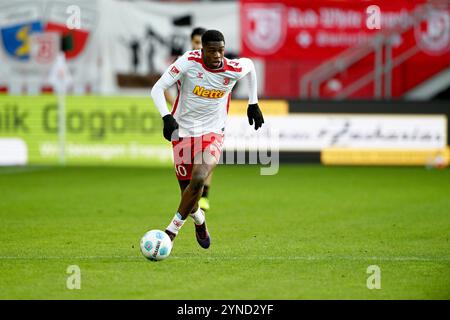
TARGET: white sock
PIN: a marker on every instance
(198, 216)
(176, 224)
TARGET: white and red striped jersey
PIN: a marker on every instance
(203, 99)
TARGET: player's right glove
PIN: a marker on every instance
(170, 125)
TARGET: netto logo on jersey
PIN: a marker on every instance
(208, 93)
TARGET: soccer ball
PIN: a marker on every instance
(156, 245)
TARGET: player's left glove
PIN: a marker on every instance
(255, 114)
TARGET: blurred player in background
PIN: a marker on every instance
(196, 38)
(196, 125)
(196, 44)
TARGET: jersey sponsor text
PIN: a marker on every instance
(208, 93)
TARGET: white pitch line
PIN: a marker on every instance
(224, 258)
(18, 170)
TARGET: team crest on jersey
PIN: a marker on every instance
(174, 71)
(226, 81)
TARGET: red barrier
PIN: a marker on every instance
(295, 37)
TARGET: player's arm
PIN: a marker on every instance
(169, 98)
(165, 82)
(169, 78)
(254, 114)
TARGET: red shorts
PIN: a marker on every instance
(185, 149)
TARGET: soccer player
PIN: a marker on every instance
(196, 125)
(196, 38)
(196, 44)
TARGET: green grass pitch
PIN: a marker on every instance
(309, 232)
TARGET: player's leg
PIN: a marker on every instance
(183, 163)
(197, 214)
(196, 170)
(183, 185)
(203, 166)
(204, 163)
(201, 231)
(204, 200)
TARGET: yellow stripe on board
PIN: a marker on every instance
(268, 107)
(335, 156)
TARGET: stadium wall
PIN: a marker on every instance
(127, 131)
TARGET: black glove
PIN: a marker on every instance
(255, 114)
(170, 125)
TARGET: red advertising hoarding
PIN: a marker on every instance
(295, 37)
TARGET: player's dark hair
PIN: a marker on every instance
(212, 35)
(197, 32)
